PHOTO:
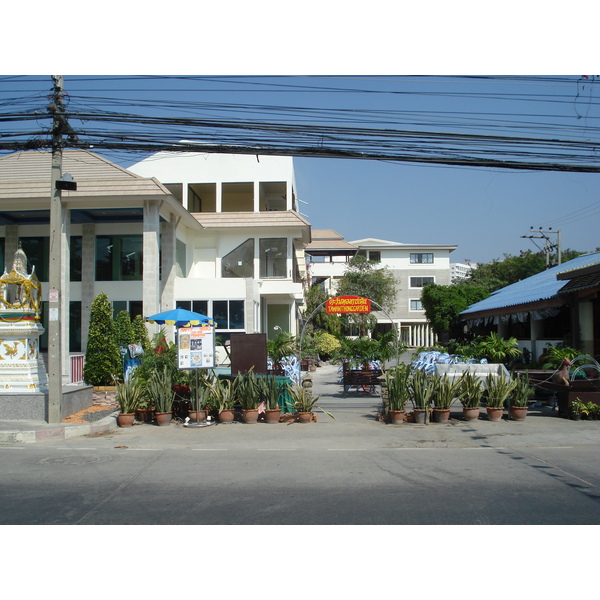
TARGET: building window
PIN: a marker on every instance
(2, 259)
(421, 258)
(119, 258)
(75, 250)
(415, 304)
(37, 250)
(240, 261)
(227, 314)
(133, 307)
(419, 282)
(273, 258)
(370, 255)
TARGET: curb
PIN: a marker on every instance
(58, 432)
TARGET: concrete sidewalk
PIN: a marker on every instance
(355, 424)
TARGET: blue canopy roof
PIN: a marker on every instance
(543, 286)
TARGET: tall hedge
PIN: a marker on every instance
(102, 357)
(140, 332)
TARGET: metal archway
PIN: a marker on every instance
(314, 312)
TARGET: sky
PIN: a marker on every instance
(485, 212)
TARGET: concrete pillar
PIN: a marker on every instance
(219, 198)
(168, 268)
(257, 196)
(11, 245)
(151, 249)
(65, 286)
(536, 329)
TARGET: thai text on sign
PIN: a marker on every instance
(348, 304)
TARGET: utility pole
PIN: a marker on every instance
(548, 246)
(58, 229)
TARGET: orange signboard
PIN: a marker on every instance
(348, 304)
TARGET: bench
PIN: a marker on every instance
(366, 379)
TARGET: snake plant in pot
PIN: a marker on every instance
(160, 389)
(223, 395)
(446, 391)
(305, 403)
(248, 396)
(520, 396)
(422, 388)
(471, 394)
(269, 390)
(498, 389)
(128, 395)
(397, 386)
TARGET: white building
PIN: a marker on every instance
(246, 266)
(461, 270)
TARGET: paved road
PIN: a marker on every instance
(353, 470)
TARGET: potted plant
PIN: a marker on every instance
(498, 389)
(577, 406)
(446, 391)
(248, 396)
(471, 393)
(223, 398)
(128, 394)
(279, 348)
(421, 388)
(199, 399)
(269, 390)
(397, 384)
(519, 397)
(498, 350)
(160, 390)
(305, 403)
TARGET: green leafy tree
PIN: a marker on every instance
(500, 273)
(363, 278)
(123, 329)
(331, 323)
(102, 357)
(443, 303)
(140, 332)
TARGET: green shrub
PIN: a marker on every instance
(102, 358)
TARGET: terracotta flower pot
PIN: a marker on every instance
(470, 414)
(226, 415)
(272, 415)
(494, 413)
(197, 416)
(125, 419)
(304, 417)
(162, 419)
(440, 415)
(250, 415)
(518, 413)
(396, 417)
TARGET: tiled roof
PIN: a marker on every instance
(543, 286)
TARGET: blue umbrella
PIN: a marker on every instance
(179, 317)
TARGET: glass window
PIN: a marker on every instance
(419, 282)
(74, 326)
(2, 259)
(75, 257)
(421, 258)
(416, 304)
(37, 250)
(240, 261)
(375, 256)
(119, 258)
(273, 258)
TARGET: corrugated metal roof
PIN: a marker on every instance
(543, 286)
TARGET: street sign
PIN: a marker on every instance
(348, 304)
(196, 347)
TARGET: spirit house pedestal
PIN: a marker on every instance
(21, 368)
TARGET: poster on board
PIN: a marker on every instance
(196, 347)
